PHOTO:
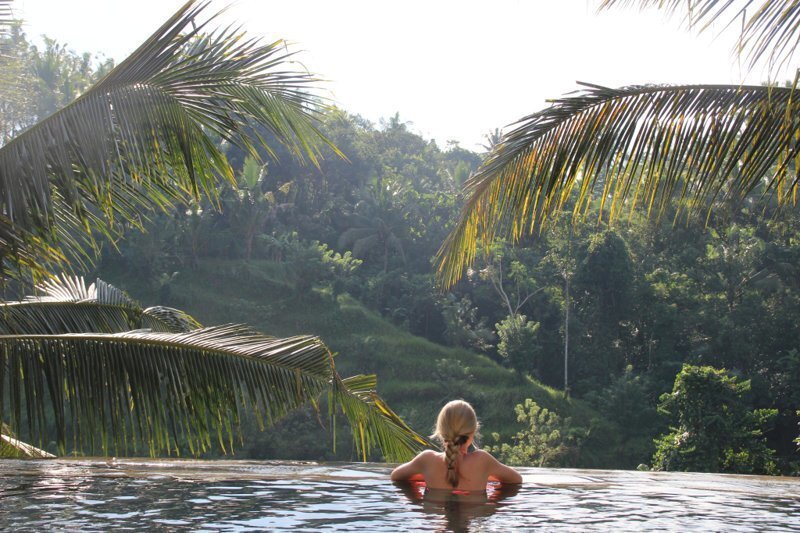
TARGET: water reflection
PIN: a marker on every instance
(459, 509)
(137, 495)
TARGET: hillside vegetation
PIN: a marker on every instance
(416, 376)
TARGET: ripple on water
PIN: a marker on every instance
(212, 495)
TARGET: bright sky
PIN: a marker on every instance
(454, 69)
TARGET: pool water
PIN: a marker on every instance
(248, 495)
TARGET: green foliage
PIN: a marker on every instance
(511, 274)
(454, 378)
(415, 374)
(716, 430)
(463, 327)
(627, 402)
(461, 174)
(60, 75)
(797, 440)
(606, 271)
(583, 148)
(673, 304)
(640, 296)
(376, 228)
(340, 268)
(545, 440)
(247, 208)
(519, 344)
(39, 81)
(315, 265)
(651, 297)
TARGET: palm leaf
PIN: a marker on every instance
(141, 138)
(373, 422)
(168, 319)
(167, 389)
(636, 145)
(68, 305)
(16, 449)
(11, 448)
(32, 254)
(770, 28)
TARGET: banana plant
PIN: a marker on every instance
(132, 379)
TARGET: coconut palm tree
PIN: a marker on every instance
(145, 136)
(492, 138)
(375, 225)
(641, 145)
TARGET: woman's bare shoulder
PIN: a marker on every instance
(428, 454)
(482, 454)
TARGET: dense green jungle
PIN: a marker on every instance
(670, 344)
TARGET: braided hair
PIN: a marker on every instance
(454, 426)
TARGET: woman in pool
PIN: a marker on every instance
(456, 467)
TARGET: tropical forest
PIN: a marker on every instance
(202, 257)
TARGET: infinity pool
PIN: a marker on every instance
(241, 495)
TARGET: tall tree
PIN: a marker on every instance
(716, 430)
(376, 226)
(249, 208)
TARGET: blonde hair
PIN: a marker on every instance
(454, 425)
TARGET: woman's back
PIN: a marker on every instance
(475, 470)
(472, 471)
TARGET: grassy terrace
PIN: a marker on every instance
(415, 375)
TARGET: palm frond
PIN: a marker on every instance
(636, 145)
(373, 422)
(68, 305)
(168, 319)
(770, 28)
(158, 388)
(16, 449)
(166, 390)
(141, 138)
(32, 254)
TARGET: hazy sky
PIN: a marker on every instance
(453, 69)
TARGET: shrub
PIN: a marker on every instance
(519, 346)
(545, 440)
(716, 429)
